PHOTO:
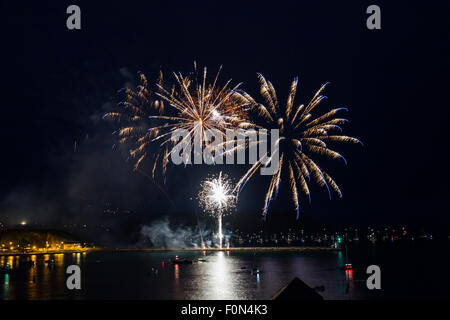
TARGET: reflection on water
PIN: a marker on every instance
(212, 275)
(243, 275)
(217, 278)
(152, 275)
(6, 284)
(36, 276)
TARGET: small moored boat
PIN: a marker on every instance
(181, 261)
(7, 269)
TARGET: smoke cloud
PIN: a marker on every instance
(161, 235)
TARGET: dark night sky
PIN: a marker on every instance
(58, 83)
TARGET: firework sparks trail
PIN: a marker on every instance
(147, 125)
(201, 108)
(136, 130)
(302, 137)
(216, 197)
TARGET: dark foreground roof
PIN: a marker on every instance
(296, 290)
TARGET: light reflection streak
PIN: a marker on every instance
(10, 261)
(350, 283)
(31, 287)
(177, 271)
(6, 284)
(176, 283)
(220, 285)
(349, 274)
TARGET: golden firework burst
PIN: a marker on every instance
(147, 124)
(302, 137)
(200, 107)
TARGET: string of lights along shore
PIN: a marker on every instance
(148, 115)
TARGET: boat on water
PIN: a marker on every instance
(181, 261)
(6, 269)
(50, 263)
(347, 266)
(256, 271)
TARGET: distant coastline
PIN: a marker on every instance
(11, 253)
(218, 249)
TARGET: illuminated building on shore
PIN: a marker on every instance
(28, 241)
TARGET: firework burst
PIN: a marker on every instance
(200, 107)
(217, 198)
(147, 125)
(136, 129)
(216, 195)
(303, 136)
